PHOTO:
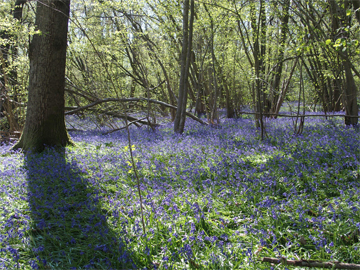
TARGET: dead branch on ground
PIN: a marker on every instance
(307, 263)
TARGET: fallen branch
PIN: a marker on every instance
(133, 120)
(306, 263)
(73, 110)
(302, 115)
(117, 129)
(174, 107)
(129, 118)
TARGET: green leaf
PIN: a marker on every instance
(328, 42)
(109, 144)
(348, 12)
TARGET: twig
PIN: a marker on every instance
(306, 263)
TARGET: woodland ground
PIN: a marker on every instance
(214, 198)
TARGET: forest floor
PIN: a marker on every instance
(213, 198)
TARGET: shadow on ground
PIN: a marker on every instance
(69, 228)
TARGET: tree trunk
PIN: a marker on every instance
(351, 106)
(279, 68)
(45, 122)
(262, 58)
(285, 88)
(180, 117)
(199, 102)
(336, 85)
(214, 113)
(6, 108)
(230, 112)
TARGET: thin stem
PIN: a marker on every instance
(126, 120)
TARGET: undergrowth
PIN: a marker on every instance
(213, 199)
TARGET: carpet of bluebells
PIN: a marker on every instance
(213, 198)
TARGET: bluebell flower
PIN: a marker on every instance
(147, 250)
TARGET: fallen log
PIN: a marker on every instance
(307, 263)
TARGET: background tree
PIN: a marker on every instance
(342, 18)
(8, 77)
(332, 42)
(244, 55)
(45, 123)
(179, 122)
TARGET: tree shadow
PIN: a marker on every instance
(69, 229)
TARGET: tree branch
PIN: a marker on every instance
(306, 263)
(129, 124)
(129, 118)
(73, 110)
(302, 115)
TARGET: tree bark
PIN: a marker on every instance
(351, 106)
(45, 121)
(180, 116)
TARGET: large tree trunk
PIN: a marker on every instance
(45, 123)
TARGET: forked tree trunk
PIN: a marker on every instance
(45, 123)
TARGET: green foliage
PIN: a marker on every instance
(14, 43)
(127, 48)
